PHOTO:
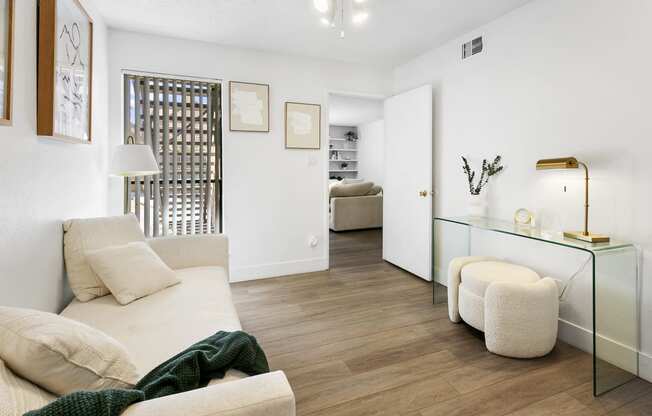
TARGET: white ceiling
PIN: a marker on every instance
(352, 111)
(396, 31)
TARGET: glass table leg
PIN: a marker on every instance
(615, 319)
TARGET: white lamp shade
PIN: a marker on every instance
(134, 160)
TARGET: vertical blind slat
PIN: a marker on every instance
(209, 141)
(166, 157)
(156, 145)
(200, 174)
(177, 123)
(184, 179)
(192, 158)
(137, 98)
(148, 141)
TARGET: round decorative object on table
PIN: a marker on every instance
(523, 216)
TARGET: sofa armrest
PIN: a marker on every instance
(181, 252)
(264, 395)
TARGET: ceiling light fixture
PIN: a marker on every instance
(335, 12)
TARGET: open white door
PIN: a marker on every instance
(407, 200)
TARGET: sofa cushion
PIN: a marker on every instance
(159, 326)
(476, 277)
(62, 355)
(353, 189)
(19, 396)
(82, 235)
(131, 271)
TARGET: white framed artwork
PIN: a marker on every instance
(302, 126)
(248, 107)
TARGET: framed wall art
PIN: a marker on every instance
(6, 59)
(248, 107)
(65, 71)
(302, 126)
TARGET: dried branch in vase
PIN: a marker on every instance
(488, 170)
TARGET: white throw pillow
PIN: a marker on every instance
(83, 235)
(62, 355)
(19, 396)
(131, 271)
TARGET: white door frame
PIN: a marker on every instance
(325, 134)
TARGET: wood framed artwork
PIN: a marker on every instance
(302, 126)
(248, 107)
(6, 59)
(65, 71)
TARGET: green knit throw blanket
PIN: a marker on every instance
(188, 370)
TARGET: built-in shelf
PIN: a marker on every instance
(341, 145)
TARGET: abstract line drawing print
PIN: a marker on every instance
(73, 72)
(72, 88)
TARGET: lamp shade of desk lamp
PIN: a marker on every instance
(572, 163)
(134, 160)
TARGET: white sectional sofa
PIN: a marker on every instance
(157, 327)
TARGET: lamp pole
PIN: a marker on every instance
(586, 197)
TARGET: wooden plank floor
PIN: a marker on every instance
(364, 339)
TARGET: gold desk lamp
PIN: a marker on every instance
(572, 163)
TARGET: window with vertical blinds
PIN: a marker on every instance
(181, 120)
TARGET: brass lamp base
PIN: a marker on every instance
(590, 238)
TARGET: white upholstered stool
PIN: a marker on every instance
(511, 304)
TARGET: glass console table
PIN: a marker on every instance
(614, 271)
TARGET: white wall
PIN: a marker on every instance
(347, 110)
(274, 199)
(44, 181)
(371, 151)
(556, 78)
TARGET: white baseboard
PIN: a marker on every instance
(576, 336)
(266, 271)
(617, 353)
(645, 366)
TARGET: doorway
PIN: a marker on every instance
(356, 146)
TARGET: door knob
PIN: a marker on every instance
(423, 194)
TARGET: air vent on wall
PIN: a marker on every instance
(472, 47)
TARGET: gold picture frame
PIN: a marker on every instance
(302, 126)
(248, 107)
(7, 22)
(65, 71)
